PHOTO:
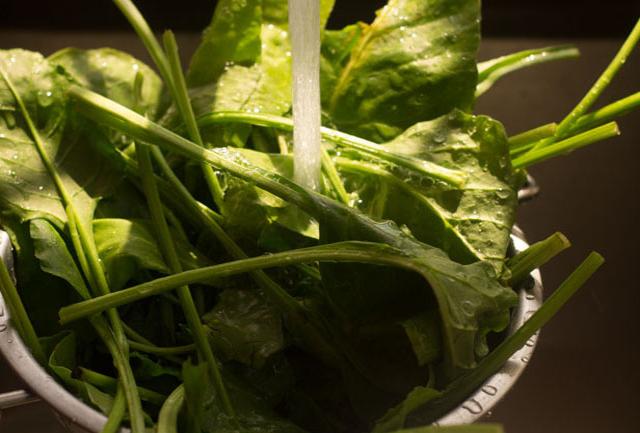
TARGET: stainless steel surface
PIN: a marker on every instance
(16, 398)
(75, 413)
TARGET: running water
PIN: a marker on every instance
(304, 30)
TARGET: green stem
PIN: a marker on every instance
(453, 177)
(19, 315)
(608, 113)
(126, 377)
(277, 293)
(535, 256)
(492, 70)
(461, 388)
(168, 418)
(109, 383)
(520, 141)
(567, 126)
(562, 147)
(332, 174)
(354, 252)
(168, 250)
(116, 415)
(601, 84)
(181, 97)
(527, 140)
(155, 350)
(108, 112)
(147, 37)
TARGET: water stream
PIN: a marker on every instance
(304, 30)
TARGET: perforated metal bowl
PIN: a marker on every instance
(77, 416)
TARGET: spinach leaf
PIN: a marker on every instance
(54, 256)
(248, 208)
(205, 415)
(233, 37)
(415, 62)
(469, 223)
(424, 334)
(471, 300)
(125, 246)
(63, 362)
(244, 327)
(25, 184)
(335, 51)
(116, 75)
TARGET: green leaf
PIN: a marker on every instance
(470, 223)
(26, 186)
(128, 245)
(233, 37)
(205, 415)
(424, 334)
(471, 300)
(336, 48)
(249, 209)
(113, 74)
(491, 71)
(415, 62)
(63, 362)
(244, 327)
(54, 256)
(124, 246)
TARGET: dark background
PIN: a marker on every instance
(584, 376)
(539, 18)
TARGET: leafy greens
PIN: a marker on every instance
(221, 295)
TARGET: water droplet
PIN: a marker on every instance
(468, 308)
(525, 359)
(14, 156)
(439, 138)
(40, 188)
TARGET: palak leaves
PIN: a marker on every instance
(415, 62)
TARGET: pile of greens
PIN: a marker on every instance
(171, 273)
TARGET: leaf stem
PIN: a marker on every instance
(168, 418)
(491, 71)
(168, 250)
(521, 265)
(354, 252)
(332, 174)
(426, 168)
(116, 415)
(181, 97)
(155, 350)
(110, 383)
(520, 141)
(601, 84)
(527, 140)
(562, 147)
(607, 113)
